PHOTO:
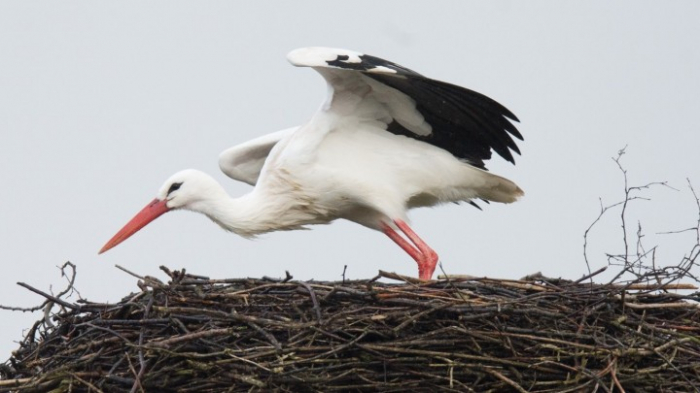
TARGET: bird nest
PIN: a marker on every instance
(195, 334)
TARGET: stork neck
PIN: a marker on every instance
(246, 215)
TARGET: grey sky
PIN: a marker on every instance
(101, 102)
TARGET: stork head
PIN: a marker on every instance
(189, 189)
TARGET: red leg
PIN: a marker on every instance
(430, 257)
(425, 256)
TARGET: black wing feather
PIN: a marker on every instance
(465, 123)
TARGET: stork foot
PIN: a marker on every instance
(426, 267)
(425, 257)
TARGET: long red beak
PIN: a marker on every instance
(149, 213)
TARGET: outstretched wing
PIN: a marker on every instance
(243, 162)
(466, 123)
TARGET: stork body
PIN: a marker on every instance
(386, 140)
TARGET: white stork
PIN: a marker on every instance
(386, 140)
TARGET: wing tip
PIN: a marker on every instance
(345, 59)
(319, 56)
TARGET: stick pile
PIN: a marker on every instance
(460, 334)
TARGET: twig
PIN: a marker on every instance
(193, 336)
(399, 277)
(312, 294)
(507, 380)
(46, 305)
(51, 298)
(86, 383)
(129, 272)
(591, 275)
(137, 380)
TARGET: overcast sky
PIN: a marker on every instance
(100, 102)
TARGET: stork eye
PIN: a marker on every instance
(174, 187)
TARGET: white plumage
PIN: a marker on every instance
(386, 140)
